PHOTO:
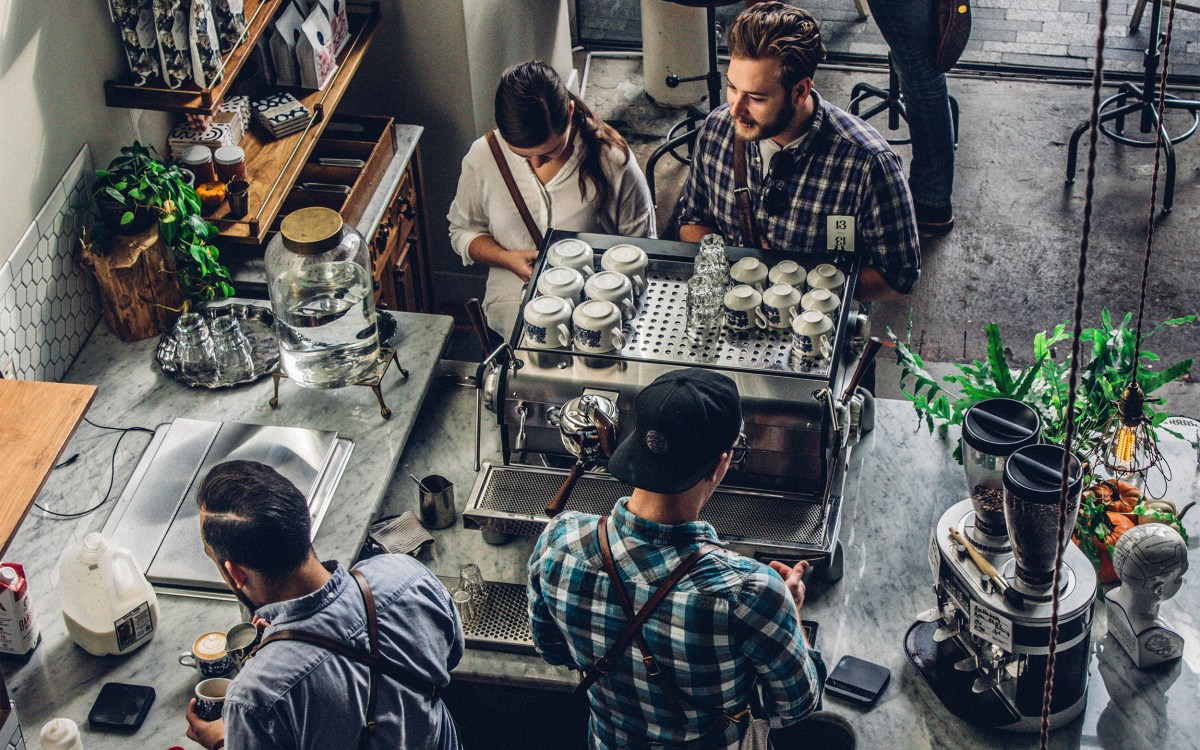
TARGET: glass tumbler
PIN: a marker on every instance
(704, 306)
(193, 345)
(467, 609)
(470, 579)
(711, 261)
(231, 350)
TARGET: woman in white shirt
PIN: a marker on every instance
(573, 171)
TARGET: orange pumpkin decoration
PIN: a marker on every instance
(1117, 495)
(1120, 524)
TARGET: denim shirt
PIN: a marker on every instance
(296, 695)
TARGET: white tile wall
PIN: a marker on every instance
(48, 302)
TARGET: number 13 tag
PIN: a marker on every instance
(839, 230)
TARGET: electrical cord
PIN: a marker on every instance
(112, 475)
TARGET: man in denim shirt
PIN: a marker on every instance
(255, 526)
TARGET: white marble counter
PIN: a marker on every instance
(61, 679)
(905, 483)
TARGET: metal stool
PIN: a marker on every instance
(683, 133)
(892, 100)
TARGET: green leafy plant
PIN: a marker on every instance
(135, 184)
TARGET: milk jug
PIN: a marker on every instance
(18, 629)
(108, 605)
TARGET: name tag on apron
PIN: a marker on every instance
(839, 234)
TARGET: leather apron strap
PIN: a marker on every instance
(511, 183)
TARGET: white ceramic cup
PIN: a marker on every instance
(572, 253)
(812, 336)
(779, 305)
(630, 260)
(750, 271)
(615, 287)
(788, 272)
(561, 282)
(598, 327)
(821, 300)
(826, 276)
(742, 312)
(548, 322)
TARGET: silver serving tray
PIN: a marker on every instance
(258, 325)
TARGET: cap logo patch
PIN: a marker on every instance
(657, 442)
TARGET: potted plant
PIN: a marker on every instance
(130, 192)
(1043, 385)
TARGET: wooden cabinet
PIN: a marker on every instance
(400, 247)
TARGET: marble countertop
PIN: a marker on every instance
(61, 679)
(902, 479)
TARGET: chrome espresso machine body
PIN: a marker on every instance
(783, 502)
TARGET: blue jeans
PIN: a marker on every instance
(910, 29)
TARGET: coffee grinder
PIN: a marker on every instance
(983, 649)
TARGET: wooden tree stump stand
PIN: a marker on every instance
(138, 286)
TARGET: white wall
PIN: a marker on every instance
(54, 58)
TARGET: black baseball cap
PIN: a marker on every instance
(685, 420)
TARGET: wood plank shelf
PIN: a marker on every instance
(189, 98)
(273, 165)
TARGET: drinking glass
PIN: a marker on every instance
(193, 345)
(712, 261)
(231, 350)
(470, 579)
(467, 610)
(704, 305)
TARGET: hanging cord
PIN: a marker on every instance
(1158, 145)
(1073, 379)
(112, 470)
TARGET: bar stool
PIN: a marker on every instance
(682, 135)
(892, 100)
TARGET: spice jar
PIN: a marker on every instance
(231, 163)
(200, 161)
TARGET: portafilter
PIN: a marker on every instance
(587, 425)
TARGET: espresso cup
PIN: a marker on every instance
(821, 300)
(742, 311)
(812, 336)
(827, 276)
(787, 272)
(210, 698)
(572, 253)
(751, 271)
(630, 260)
(208, 655)
(598, 327)
(240, 640)
(561, 282)
(615, 287)
(779, 305)
(548, 323)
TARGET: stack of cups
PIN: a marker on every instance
(712, 261)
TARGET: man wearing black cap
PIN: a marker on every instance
(672, 631)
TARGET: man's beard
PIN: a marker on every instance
(771, 128)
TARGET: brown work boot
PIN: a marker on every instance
(934, 221)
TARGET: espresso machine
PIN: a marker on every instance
(561, 411)
(983, 649)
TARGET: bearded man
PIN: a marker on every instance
(778, 167)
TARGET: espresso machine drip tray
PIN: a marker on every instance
(157, 519)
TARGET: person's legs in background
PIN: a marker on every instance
(910, 29)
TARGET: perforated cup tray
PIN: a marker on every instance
(658, 332)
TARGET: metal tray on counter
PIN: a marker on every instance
(258, 325)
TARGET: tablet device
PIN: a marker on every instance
(121, 707)
(857, 680)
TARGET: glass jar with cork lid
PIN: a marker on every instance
(319, 279)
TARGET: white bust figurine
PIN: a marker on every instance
(1150, 560)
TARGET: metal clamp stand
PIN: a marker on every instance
(1131, 99)
(892, 100)
(373, 380)
(684, 132)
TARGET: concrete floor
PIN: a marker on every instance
(1012, 257)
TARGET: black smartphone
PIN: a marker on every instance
(121, 707)
(857, 680)
(810, 632)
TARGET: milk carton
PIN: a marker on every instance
(18, 629)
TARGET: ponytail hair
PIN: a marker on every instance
(533, 106)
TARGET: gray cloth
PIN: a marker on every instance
(295, 695)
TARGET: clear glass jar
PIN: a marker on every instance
(319, 279)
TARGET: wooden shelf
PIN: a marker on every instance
(274, 164)
(189, 98)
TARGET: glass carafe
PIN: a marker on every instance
(992, 430)
(319, 278)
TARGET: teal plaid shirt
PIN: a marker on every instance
(729, 623)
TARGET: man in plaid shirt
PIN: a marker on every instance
(728, 623)
(807, 162)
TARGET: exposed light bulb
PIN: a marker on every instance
(1126, 442)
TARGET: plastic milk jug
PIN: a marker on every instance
(18, 629)
(108, 605)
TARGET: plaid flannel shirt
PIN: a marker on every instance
(728, 623)
(843, 167)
